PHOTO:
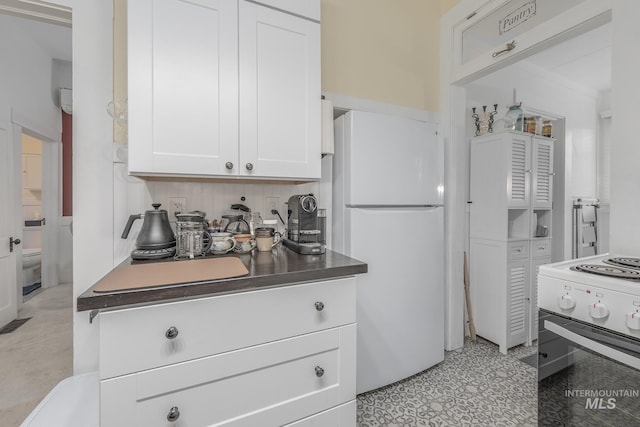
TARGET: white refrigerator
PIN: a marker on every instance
(388, 212)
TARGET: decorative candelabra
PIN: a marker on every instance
(484, 120)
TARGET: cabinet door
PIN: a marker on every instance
(279, 94)
(32, 171)
(542, 186)
(183, 108)
(517, 293)
(518, 182)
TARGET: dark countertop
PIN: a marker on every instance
(279, 267)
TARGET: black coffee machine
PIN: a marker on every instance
(305, 228)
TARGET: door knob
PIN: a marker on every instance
(228, 165)
(12, 242)
(249, 166)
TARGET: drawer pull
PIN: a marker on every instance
(319, 305)
(319, 371)
(171, 333)
(174, 414)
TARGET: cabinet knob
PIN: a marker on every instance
(319, 371)
(171, 333)
(319, 305)
(249, 166)
(174, 414)
(228, 165)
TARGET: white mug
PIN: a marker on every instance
(221, 243)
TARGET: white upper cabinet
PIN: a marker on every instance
(183, 115)
(279, 94)
(307, 8)
(222, 88)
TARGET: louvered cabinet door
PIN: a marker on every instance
(542, 188)
(518, 183)
(517, 294)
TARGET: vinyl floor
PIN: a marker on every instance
(474, 386)
(37, 354)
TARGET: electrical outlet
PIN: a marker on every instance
(176, 204)
(271, 203)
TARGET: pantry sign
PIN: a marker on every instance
(518, 16)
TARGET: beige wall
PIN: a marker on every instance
(382, 50)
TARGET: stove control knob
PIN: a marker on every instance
(633, 320)
(566, 302)
(598, 310)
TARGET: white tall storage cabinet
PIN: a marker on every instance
(511, 193)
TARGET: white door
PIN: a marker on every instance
(400, 301)
(280, 94)
(391, 161)
(8, 285)
(183, 108)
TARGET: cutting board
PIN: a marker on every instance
(142, 276)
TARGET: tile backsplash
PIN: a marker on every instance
(134, 196)
(216, 198)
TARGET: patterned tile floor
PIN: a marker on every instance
(474, 386)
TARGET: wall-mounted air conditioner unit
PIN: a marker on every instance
(66, 100)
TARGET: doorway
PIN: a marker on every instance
(491, 81)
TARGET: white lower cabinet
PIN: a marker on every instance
(305, 370)
(503, 283)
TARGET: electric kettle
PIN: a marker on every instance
(156, 238)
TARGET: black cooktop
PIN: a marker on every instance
(620, 267)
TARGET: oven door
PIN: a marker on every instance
(587, 376)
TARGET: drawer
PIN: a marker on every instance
(541, 248)
(267, 385)
(518, 249)
(136, 339)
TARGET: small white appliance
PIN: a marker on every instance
(589, 341)
(387, 212)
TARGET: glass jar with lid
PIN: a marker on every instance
(547, 128)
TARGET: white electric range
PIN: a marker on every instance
(602, 290)
(589, 342)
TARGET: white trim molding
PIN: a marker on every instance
(344, 103)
